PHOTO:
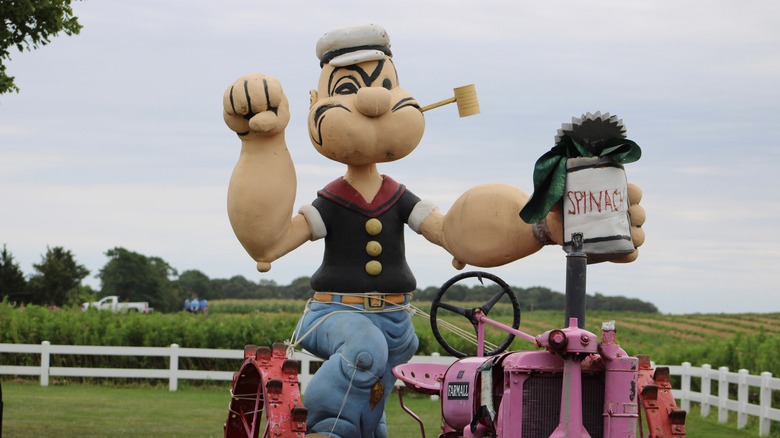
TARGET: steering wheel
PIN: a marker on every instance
(469, 313)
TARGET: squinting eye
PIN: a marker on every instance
(347, 88)
(387, 84)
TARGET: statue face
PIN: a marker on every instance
(359, 115)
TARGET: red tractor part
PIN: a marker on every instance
(267, 382)
(664, 418)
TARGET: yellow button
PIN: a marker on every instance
(373, 267)
(374, 248)
(373, 226)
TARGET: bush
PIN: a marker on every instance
(35, 324)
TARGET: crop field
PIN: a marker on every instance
(750, 341)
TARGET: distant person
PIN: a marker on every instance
(204, 306)
(194, 305)
(187, 305)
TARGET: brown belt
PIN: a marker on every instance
(368, 300)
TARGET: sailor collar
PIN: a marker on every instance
(343, 194)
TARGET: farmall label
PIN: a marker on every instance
(458, 390)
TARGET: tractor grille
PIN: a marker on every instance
(542, 405)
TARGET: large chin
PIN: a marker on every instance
(351, 138)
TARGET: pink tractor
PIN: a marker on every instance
(572, 385)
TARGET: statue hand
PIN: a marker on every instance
(255, 106)
(637, 214)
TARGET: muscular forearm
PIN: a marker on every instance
(483, 227)
(261, 194)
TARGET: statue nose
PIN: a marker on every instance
(373, 101)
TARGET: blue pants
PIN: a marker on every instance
(359, 349)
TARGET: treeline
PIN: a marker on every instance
(537, 298)
(57, 280)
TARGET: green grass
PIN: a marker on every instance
(138, 410)
(97, 411)
(152, 411)
(696, 426)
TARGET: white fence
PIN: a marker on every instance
(762, 385)
(173, 374)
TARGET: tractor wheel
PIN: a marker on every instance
(266, 383)
(664, 418)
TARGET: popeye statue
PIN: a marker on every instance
(358, 319)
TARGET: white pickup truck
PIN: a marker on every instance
(113, 304)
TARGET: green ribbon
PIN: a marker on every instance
(550, 170)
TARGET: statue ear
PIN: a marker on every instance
(312, 98)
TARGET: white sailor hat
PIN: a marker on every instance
(354, 44)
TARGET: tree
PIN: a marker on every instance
(12, 281)
(135, 277)
(267, 289)
(299, 289)
(619, 304)
(57, 278)
(30, 24)
(235, 287)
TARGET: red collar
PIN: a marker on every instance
(340, 192)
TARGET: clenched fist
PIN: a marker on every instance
(255, 106)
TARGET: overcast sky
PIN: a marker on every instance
(117, 138)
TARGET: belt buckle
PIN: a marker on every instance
(373, 301)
